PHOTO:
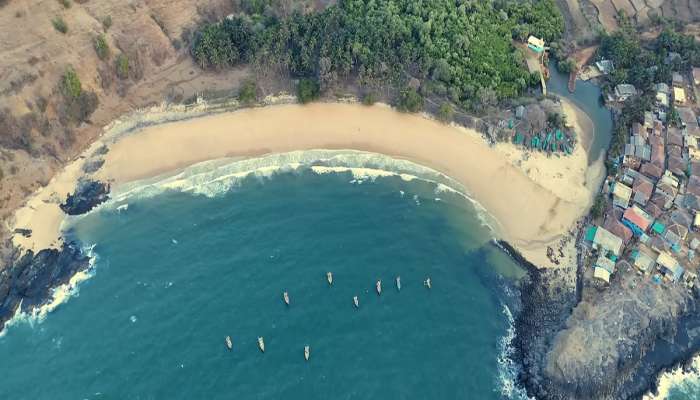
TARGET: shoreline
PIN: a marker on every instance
(524, 179)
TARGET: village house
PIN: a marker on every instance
(642, 190)
(651, 170)
(670, 266)
(696, 76)
(644, 259)
(679, 96)
(637, 220)
(677, 79)
(535, 44)
(609, 249)
(624, 91)
(605, 66)
(621, 195)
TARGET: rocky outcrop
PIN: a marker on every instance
(546, 303)
(588, 342)
(87, 195)
(28, 281)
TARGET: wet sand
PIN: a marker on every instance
(535, 199)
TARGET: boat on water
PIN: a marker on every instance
(398, 283)
(356, 301)
(329, 276)
(229, 343)
(307, 351)
(427, 283)
(379, 287)
(285, 295)
(261, 344)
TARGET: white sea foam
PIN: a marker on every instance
(507, 368)
(59, 295)
(215, 177)
(684, 381)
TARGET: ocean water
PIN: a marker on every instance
(181, 262)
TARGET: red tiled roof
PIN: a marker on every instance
(636, 219)
(652, 170)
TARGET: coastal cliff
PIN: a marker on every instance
(28, 281)
(590, 343)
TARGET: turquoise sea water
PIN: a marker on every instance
(178, 270)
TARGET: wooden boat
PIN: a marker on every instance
(379, 287)
(307, 352)
(261, 344)
(229, 343)
(356, 301)
(285, 295)
(329, 276)
(427, 283)
(398, 283)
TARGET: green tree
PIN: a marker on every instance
(410, 100)
(307, 90)
(106, 22)
(445, 112)
(101, 47)
(70, 85)
(598, 206)
(248, 93)
(122, 66)
(60, 25)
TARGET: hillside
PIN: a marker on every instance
(39, 131)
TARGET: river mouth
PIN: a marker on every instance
(177, 272)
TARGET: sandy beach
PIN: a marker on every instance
(536, 199)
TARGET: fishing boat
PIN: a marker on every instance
(286, 298)
(379, 287)
(229, 343)
(427, 283)
(329, 276)
(307, 350)
(356, 301)
(261, 344)
(398, 283)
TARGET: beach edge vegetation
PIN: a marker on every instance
(462, 51)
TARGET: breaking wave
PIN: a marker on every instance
(681, 380)
(216, 177)
(59, 295)
(507, 367)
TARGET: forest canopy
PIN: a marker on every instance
(462, 47)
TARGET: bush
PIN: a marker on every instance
(369, 99)
(70, 85)
(566, 66)
(107, 22)
(122, 66)
(101, 47)
(410, 100)
(65, 3)
(598, 206)
(445, 112)
(248, 93)
(308, 90)
(60, 25)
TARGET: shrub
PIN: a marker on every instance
(566, 66)
(65, 3)
(122, 66)
(410, 100)
(60, 25)
(598, 206)
(369, 99)
(70, 85)
(307, 90)
(101, 47)
(248, 93)
(107, 22)
(445, 112)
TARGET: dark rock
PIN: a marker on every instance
(87, 195)
(29, 279)
(24, 232)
